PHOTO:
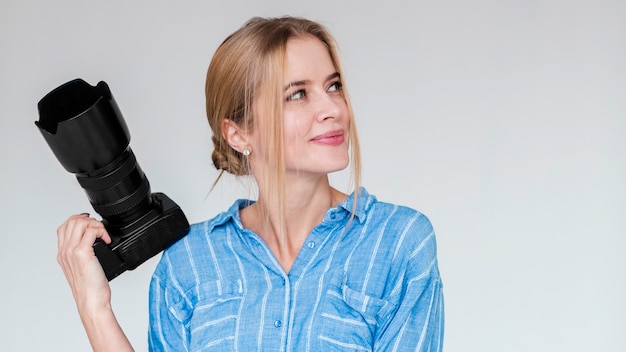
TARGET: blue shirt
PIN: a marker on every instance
(373, 287)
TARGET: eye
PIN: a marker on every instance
(335, 86)
(297, 95)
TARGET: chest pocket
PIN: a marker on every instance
(213, 325)
(349, 319)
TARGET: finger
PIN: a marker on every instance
(64, 232)
(63, 229)
(78, 226)
(74, 231)
(60, 234)
(103, 233)
(70, 234)
(93, 231)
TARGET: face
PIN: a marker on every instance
(316, 120)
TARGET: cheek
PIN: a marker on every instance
(294, 128)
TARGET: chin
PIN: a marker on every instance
(321, 168)
(337, 167)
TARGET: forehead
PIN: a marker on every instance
(307, 56)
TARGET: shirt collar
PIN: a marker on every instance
(231, 214)
(364, 201)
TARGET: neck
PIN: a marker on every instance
(304, 208)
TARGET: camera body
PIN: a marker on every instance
(134, 243)
(87, 133)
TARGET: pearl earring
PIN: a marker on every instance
(246, 152)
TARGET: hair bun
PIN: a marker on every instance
(226, 158)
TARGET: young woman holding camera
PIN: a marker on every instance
(303, 267)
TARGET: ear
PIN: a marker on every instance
(234, 135)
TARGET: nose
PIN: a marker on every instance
(330, 106)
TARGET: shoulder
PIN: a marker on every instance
(369, 209)
(389, 246)
(185, 261)
(398, 220)
(202, 233)
(397, 213)
(407, 233)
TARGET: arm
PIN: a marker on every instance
(88, 282)
(169, 313)
(418, 322)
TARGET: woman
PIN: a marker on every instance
(305, 267)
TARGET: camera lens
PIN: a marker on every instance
(86, 131)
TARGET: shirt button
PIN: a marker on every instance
(332, 216)
(278, 323)
(311, 244)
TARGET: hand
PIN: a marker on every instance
(88, 282)
(80, 265)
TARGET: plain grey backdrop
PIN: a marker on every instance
(504, 121)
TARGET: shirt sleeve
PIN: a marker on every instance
(168, 330)
(418, 322)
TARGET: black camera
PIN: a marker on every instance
(87, 133)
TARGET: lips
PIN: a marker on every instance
(329, 138)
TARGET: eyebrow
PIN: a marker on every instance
(307, 81)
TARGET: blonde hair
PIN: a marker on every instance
(251, 62)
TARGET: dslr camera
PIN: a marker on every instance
(87, 133)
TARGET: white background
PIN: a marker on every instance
(504, 121)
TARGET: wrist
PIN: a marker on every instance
(103, 329)
(91, 313)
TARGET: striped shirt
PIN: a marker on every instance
(374, 287)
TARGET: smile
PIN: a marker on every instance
(331, 138)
